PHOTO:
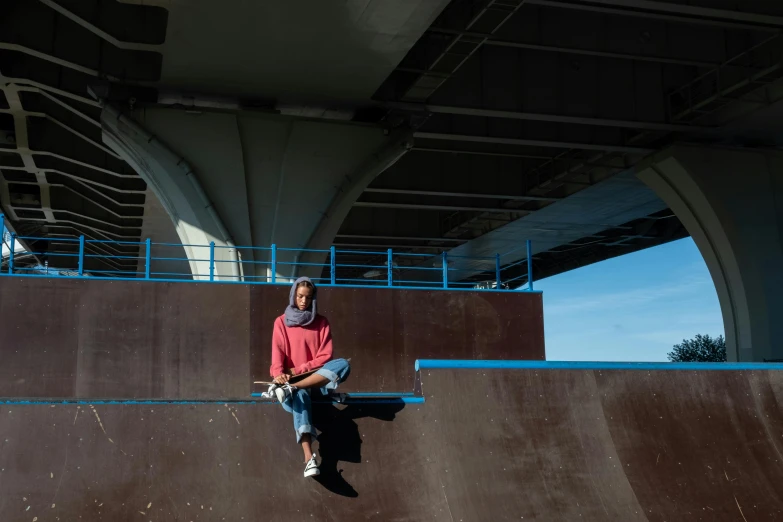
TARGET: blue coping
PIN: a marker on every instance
(365, 395)
(366, 398)
(361, 398)
(448, 364)
(47, 402)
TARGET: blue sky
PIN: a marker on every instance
(631, 308)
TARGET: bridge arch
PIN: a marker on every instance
(731, 203)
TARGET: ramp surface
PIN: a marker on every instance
(99, 339)
(553, 445)
(540, 444)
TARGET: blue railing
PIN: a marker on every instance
(82, 256)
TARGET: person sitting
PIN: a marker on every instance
(301, 342)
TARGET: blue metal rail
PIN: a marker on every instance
(124, 260)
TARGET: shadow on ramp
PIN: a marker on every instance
(340, 441)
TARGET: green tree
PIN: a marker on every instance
(701, 348)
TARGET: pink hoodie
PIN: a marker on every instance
(300, 347)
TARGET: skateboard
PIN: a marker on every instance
(293, 379)
(296, 378)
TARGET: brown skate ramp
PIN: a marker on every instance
(531, 444)
(84, 338)
(609, 445)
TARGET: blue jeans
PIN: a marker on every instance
(336, 370)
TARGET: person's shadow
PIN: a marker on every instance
(339, 439)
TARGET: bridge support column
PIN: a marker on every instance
(252, 179)
(731, 202)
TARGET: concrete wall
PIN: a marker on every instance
(159, 228)
(251, 179)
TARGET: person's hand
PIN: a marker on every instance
(281, 379)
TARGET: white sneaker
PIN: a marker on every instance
(283, 392)
(270, 393)
(311, 469)
(339, 398)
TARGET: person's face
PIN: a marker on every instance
(303, 298)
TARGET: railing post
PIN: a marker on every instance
(274, 263)
(445, 258)
(529, 266)
(147, 258)
(333, 264)
(81, 255)
(389, 274)
(497, 271)
(2, 230)
(211, 260)
(11, 254)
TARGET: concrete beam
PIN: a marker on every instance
(412, 206)
(693, 11)
(482, 153)
(353, 185)
(377, 248)
(97, 31)
(247, 180)
(660, 14)
(554, 118)
(171, 178)
(400, 238)
(531, 143)
(458, 194)
(573, 50)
